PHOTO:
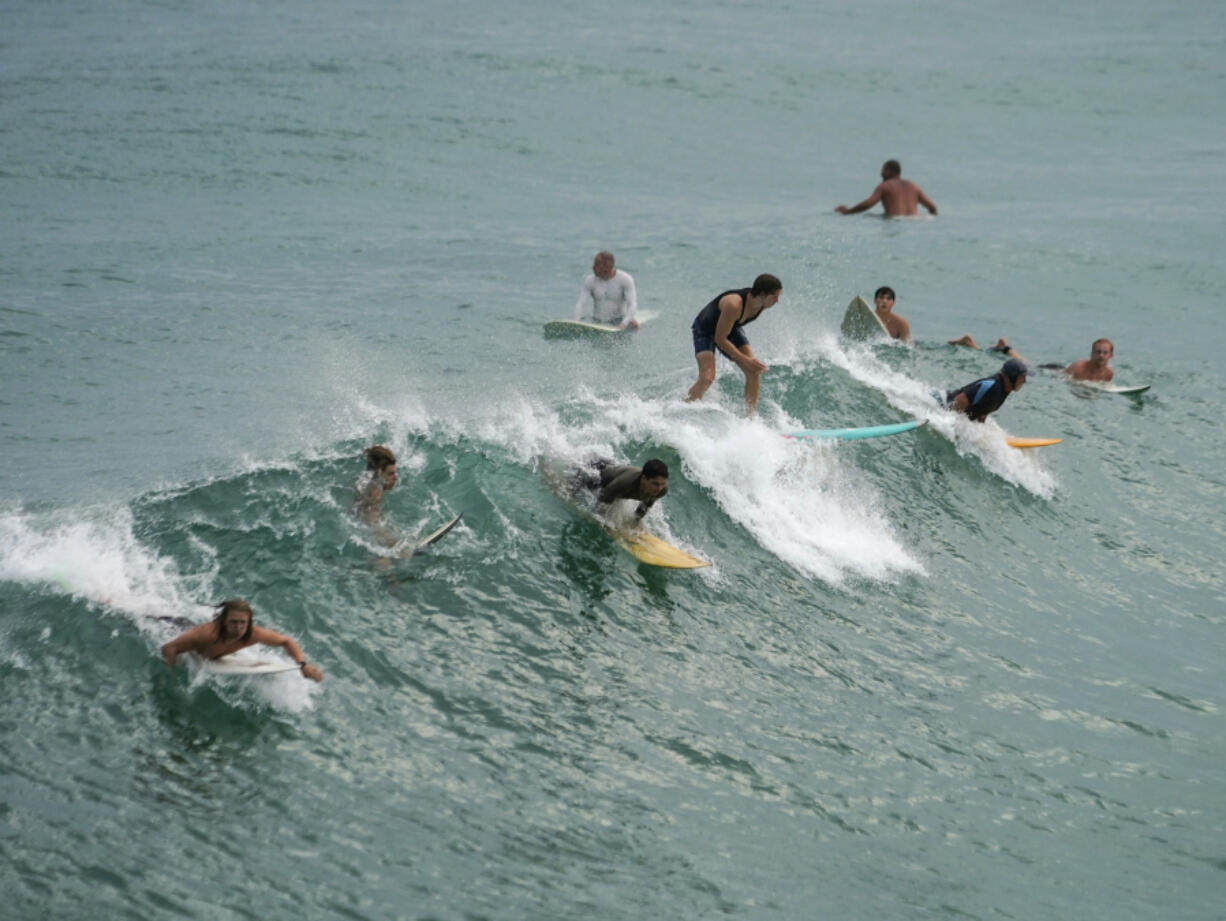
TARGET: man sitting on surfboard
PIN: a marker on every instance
(979, 399)
(611, 482)
(231, 630)
(896, 326)
(611, 292)
(718, 326)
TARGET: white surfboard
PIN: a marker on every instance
(234, 664)
(861, 321)
(1111, 388)
(433, 536)
(588, 329)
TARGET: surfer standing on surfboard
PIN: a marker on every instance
(718, 326)
(231, 630)
(979, 399)
(611, 482)
(611, 292)
(896, 326)
(898, 196)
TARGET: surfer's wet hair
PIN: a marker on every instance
(893, 167)
(378, 457)
(233, 604)
(887, 291)
(1094, 345)
(765, 284)
(654, 468)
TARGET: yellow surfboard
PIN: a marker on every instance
(647, 548)
(1032, 442)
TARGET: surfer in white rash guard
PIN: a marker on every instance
(231, 630)
(611, 292)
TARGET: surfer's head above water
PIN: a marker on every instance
(381, 460)
(234, 619)
(1012, 370)
(655, 476)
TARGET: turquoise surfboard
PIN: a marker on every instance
(868, 431)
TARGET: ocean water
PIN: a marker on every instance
(925, 676)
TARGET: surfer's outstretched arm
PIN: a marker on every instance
(272, 638)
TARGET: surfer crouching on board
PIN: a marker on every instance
(231, 630)
(611, 292)
(718, 326)
(979, 399)
(896, 326)
(610, 482)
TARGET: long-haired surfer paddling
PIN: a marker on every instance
(231, 630)
(718, 326)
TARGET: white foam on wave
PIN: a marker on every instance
(93, 556)
(795, 499)
(985, 440)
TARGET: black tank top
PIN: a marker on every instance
(709, 315)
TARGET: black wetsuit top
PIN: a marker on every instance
(985, 396)
(709, 315)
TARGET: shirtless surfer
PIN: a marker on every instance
(898, 196)
(896, 326)
(380, 476)
(1096, 367)
(231, 630)
(718, 326)
(611, 292)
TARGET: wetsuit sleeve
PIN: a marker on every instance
(585, 294)
(632, 301)
(618, 483)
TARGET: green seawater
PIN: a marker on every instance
(925, 675)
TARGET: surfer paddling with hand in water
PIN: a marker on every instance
(718, 326)
(611, 292)
(979, 399)
(611, 482)
(231, 630)
(898, 196)
(1095, 368)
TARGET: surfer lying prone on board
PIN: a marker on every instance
(979, 399)
(610, 482)
(231, 630)
(1095, 368)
